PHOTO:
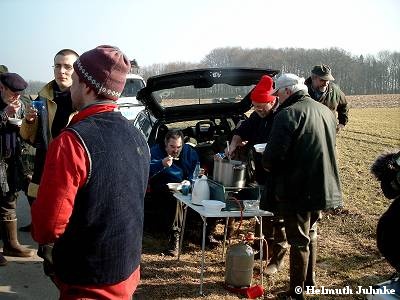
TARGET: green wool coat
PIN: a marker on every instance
(301, 157)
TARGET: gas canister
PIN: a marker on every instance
(239, 265)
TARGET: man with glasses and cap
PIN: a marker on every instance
(322, 89)
(11, 113)
(255, 130)
(40, 127)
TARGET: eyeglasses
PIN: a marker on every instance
(67, 68)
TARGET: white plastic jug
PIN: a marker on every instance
(201, 190)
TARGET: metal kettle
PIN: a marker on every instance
(231, 173)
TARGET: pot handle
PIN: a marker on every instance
(239, 167)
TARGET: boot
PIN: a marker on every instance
(279, 248)
(312, 261)
(276, 262)
(173, 244)
(298, 269)
(11, 245)
(27, 228)
(3, 260)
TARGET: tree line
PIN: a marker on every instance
(356, 75)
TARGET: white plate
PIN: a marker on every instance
(175, 186)
(260, 147)
(213, 205)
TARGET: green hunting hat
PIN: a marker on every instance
(3, 69)
(323, 71)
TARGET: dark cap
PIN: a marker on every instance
(13, 81)
(323, 71)
(3, 69)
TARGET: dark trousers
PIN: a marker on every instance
(301, 233)
(160, 209)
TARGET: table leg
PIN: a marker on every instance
(261, 253)
(182, 232)
(225, 233)
(203, 246)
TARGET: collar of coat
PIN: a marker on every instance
(296, 97)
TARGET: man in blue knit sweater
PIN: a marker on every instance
(171, 161)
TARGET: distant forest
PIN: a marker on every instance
(356, 75)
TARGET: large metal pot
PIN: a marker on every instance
(230, 173)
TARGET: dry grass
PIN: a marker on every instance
(347, 251)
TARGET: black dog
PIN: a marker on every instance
(386, 169)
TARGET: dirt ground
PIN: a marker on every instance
(347, 251)
(363, 101)
(341, 262)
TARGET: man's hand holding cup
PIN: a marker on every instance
(12, 108)
(31, 112)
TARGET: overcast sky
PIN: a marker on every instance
(162, 31)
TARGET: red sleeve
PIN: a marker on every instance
(65, 171)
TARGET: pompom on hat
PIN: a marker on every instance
(104, 69)
(262, 92)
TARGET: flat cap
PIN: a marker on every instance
(13, 81)
(323, 71)
(286, 80)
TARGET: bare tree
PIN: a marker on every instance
(354, 74)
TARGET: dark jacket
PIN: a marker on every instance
(254, 130)
(333, 98)
(11, 169)
(103, 239)
(180, 169)
(301, 156)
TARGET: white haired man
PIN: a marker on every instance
(300, 155)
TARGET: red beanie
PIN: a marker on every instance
(103, 68)
(262, 92)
